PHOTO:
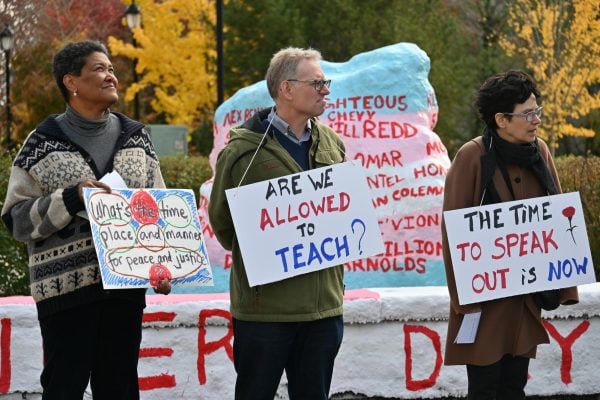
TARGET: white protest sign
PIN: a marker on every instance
(304, 222)
(517, 247)
(145, 235)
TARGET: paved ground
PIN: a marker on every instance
(21, 396)
(566, 397)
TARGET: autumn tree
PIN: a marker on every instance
(41, 28)
(21, 17)
(560, 42)
(341, 29)
(175, 53)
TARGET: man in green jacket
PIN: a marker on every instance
(296, 324)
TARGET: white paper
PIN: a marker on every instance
(468, 328)
(112, 179)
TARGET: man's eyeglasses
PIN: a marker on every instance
(528, 116)
(318, 85)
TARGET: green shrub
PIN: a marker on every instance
(14, 278)
(182, 172)
(202, 139)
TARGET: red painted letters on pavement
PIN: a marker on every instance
(205, 348)
(162, 380)
(412, 384)
(5, 367)
(566, 344)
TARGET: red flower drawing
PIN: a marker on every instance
(568, 212)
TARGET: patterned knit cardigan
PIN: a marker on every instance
(42, 203)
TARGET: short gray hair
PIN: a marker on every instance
(284, 65)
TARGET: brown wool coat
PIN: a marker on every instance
(511, 325)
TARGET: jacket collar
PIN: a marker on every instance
(255, 122)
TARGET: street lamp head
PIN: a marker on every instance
(6, 38)
(133, 14)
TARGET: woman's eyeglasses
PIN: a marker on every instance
(529, 116)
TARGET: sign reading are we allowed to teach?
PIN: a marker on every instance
(146, 235)
(304, 222)
(517, 247)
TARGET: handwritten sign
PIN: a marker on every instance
(518, 247)
(145, 235)
(304, 222)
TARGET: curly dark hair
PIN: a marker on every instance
(501, 92)
(71, 59)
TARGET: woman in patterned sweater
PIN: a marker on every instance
(89, 334)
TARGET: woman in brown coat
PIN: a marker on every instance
(508, 162)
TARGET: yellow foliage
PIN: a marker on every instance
(570, 130)
(560, 42)
(175, 56)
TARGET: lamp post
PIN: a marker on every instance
(219, 35)
(6, 41)
(133, 14)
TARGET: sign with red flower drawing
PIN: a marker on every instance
(517, 247)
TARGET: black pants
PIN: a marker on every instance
(305, 350)
(97, 343)
(503, 380)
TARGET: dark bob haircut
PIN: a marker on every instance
(71, 59)
(501, 92)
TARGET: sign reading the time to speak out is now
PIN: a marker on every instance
(517, 247)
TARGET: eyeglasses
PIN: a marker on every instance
(318, 85)
(528, 116)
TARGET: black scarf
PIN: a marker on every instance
(502, 153)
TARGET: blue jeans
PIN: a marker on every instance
(305, 350)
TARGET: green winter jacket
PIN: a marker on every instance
(306, 297)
